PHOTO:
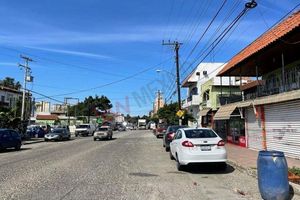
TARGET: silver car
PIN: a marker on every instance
(58, 134)
(103, 132)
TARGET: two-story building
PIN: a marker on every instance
(271, 106)
(9, 97)
(205, 92)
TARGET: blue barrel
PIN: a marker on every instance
(272, 172)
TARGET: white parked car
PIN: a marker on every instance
(197, 145)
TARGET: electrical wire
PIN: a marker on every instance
(270, 28)
(205, 31)
(111, 83)
(64, 63)
(218, 39)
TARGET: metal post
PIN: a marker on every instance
(283, 72)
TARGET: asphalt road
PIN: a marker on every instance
(131, 166)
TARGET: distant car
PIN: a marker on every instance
(58, 134)
(103, 132)
(35, 131)
(169, 134)
(160, 130)
(197, 145)
(121, 128)
(10, 139)
(84, 130)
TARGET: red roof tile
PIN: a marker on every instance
(264, 40)
(46, 117)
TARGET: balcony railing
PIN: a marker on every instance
(266, 90)
(193, 100)
(229, 98)
(206, 104)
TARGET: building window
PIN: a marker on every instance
(2, 98)
(206, 95)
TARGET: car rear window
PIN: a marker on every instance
(83, 126)
(175, 128)
(102, 129)
(57, 131)
(200, 133)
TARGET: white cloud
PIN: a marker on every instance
(76, 53)
(8, 64)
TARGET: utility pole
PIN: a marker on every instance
(68, 108)
(176, 45)
(26, 78)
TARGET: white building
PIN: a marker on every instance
(203, 89)
(9, 97)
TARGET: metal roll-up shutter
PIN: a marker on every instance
(253, 130)
(283, 127)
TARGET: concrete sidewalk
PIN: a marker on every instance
(246, 159)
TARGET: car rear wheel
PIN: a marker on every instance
(179, 166)
(95, 139)
(223, 166)
(18, 147)
(171, 156)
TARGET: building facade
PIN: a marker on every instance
(271, 107)
(205, 92)
(158, 102)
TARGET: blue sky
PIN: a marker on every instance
(89, 47)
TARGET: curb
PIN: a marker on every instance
(32, 142)
(253, 173)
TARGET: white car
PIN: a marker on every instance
(197, 145)
(103, 132)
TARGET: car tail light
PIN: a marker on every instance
(221, 143)
(170, 136)
(187, 144)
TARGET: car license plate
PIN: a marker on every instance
(205, 148)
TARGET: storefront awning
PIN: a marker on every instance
(225, 111)
(244, 104)
(204, 111)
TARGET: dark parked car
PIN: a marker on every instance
(58, 134)
(169, 134)
(160, 130)
(35, 131)
(10, 139)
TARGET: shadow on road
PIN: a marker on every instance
(208, 168)
(13, 150)
(142, 174)
(106, 139)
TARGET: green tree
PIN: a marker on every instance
(168, 113)
(11, 83)
(90, 104)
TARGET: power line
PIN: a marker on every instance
(223, 34)
(269, 28)
(111, 83)
(205, 31)
(64, 63)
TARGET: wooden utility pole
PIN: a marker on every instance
(176, 45)
(26, 76)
